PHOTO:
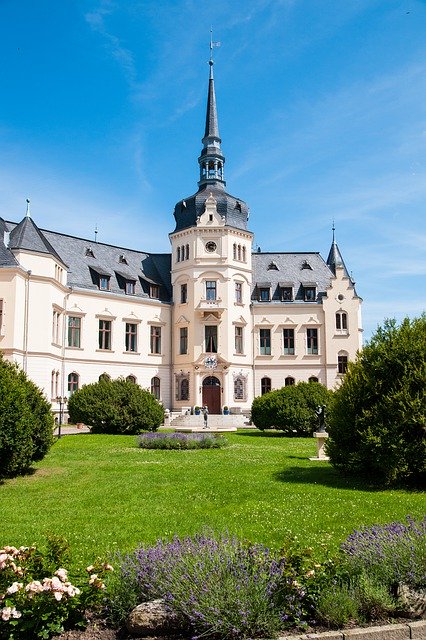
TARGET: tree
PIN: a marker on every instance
(291, 409)
(115, 406)
(26, 421)
(377, 427)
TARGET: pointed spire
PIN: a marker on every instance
(334, 256)
(27, 213)
(211, 160)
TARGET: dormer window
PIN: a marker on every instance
(264, 292)
(310, 293)
(130, 287)
(89, 253)
(122, 259)
(238, 206)
(154, 291)
(286, 293)
(306, 265)
(272, 266)
(104, 283)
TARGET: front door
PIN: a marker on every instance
(211, 394)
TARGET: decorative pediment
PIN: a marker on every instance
(182, 320)
(240, 321)
(210, 217)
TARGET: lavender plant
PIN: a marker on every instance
(181, 441)
(218, 586)
(395, 552)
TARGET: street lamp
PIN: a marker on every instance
(62, 401)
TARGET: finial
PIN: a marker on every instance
(212, 44)
(333, 229)
(27, 213)
(96, 233)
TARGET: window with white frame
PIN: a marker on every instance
(155, 387)
(265, 342)
(265, 385)
(210, 335)
(239, 292)
(56, 327)
(183, 340)
(211, 289)
(312, 341)
(341, 321)
(155, 339)
(239, 342)
(183, 293)
(131, 337)
(131, 378)
(104, 335)
(1, 317)
(342, 362)
(73, 382)
(182, 388)
(288, 342)
(289, 381)
(74, 331)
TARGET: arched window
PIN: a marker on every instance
(187, 252)
(131, 378)
(265, 385)
(234, 247)
(239, 252)
(342, 362)
(244, 253)
(289, 381)
(178, 254)
(184, 389)
(341, 321)
(239, 388)
(105, 377)
(313, 379)
(155, 387)
(73, 380)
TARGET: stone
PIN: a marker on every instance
(387, 632)
(413, 602)
(151, 619)
(418, 630)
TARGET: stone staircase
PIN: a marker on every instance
(191, 423)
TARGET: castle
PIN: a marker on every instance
(211, 323)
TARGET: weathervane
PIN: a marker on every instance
(212, 45)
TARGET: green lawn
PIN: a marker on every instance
(103, 493)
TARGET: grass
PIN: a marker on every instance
(104, 493)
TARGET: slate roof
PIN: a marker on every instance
(335, 259)
(233, 209)
(290, 269)
(7, 259)
(84, 266)
(26, 235)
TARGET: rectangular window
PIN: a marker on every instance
(210, 332)
(239, 340)
(342, 364)
(55, 327)
(155, 339)
(131, 337)
(1, 316)
(288, 337)
(74, 331)
(239, 292)
(210, 289)
(183, 340)
(183, 293)
(341, 321)
(310, 294)
(105, 327)
(154, 291)
(104, 283)
(286, 294)
(312, 341)
(265, 342)
(130, 288)
(264, 295)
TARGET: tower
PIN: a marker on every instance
(211, 281)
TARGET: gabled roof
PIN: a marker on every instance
(26, 235)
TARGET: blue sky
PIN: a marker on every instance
(322, 114)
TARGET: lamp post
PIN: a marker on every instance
(62, 400)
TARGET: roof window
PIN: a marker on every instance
(122, 259)
(306, 265)
(89, 253)
(272, 266)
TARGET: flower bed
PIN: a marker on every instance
(181, 441)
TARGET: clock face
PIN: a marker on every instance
(211, 246)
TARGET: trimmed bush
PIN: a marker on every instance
(115, 406)
(26, 421)
(291, 409)
(377, 426)
(181, 441)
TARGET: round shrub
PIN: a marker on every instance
(377, 426)
(115, 406)
(291, 409)
(26, 421)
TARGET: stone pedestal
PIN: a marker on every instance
(321, 437)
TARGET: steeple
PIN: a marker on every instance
(335, 257)
(211, 160)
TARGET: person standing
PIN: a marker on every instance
(206, 415)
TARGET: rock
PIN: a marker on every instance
(413, 602)
(151, 619)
